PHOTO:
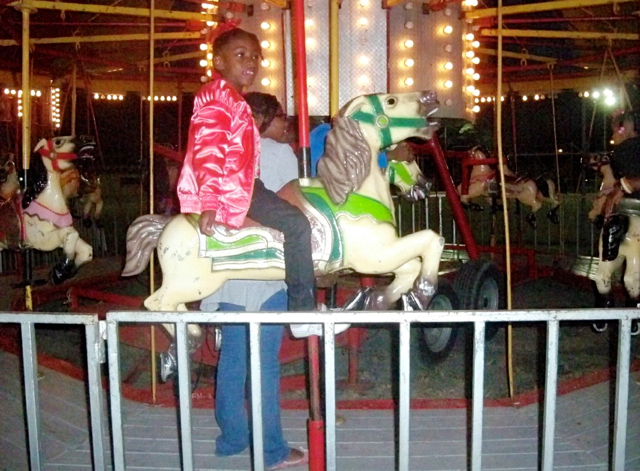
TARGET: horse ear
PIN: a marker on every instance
(42, 143)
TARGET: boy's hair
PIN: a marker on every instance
(225, 38)
(265, 105)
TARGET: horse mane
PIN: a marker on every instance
(36, 180)
(346, 161)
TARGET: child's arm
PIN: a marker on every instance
(207, 221)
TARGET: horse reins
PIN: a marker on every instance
(384, 122)
(55, 156)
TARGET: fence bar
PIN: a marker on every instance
(115, 394)
(622, 395)
(256, 396)
(330, 394)
(184, 391)
(405, 396)
(32, 399)
(550, 395)
(96, 396)
(477, 395)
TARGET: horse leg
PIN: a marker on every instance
(76, 252)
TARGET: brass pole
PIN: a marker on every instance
(334, 57)
(74, 98)
(151, 195)
(542, 6)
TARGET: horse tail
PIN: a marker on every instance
(142, 238)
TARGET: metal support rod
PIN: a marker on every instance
(184, 392)
(477, 395)
(550, 395)
(622, 395)
(256, 396)
(301, 82)
(32, 398)
(330, 394)
(404, 407)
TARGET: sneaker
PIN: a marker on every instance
(168, 365)
(300, 331)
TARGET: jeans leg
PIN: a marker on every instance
(231, 378)
(270, 210)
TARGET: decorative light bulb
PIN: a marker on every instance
(476, 76)
(408, 81)
(475, 60)
(265, 25)
(470, 71)
(266, 63)
(408, 25)
(265, 82)
(308, 22)
(448, 66)
(476, 92)
(476, 109)
(265, 44)
(448, 48)
(363, 21)
(364, 3)
(448, 84)
(409, 63)
(210, 56)
(203, 47)
(470, 54)
(408, 43)
(476, 44)
(363, 60)
(525, 97)
(203, 62)
(96, 96)
(447, 29)
(586, 94)
(469, 36)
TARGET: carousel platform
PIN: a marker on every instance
(438, 439)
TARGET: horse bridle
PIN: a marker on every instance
(55, 156)
(384, 122)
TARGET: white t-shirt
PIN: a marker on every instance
(278, 166)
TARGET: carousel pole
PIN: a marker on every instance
(507, 239)
(316, 423)
(74, 97)
(154, 385)
(26, 10)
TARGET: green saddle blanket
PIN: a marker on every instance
(236, 249)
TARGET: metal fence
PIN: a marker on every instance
(404, 320)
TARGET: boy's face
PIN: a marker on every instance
(238, 62)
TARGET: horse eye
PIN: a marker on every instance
(391, 101)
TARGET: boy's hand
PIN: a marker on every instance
(207, 221)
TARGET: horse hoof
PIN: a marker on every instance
(168, 365)
(63, 271)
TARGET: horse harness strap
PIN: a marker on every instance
(55, 156)
(384, 123)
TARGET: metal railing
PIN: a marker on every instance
(404, 320)
(95, 356)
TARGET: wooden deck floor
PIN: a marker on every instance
(439, 438)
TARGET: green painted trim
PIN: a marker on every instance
(321, 204)
(260, 254)
(399, 170)
(215, 244)
(356, 205)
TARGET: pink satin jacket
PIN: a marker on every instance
(223, 154)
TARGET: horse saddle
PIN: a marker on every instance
(255, 245)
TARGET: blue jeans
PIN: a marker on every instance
(231, 386)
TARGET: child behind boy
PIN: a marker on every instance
(219, 178)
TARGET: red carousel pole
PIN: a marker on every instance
(316, 421)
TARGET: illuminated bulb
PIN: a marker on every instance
(38, 93)
(311, 81)
(409, 63)
(148, 98)
(475, 44)
(536, 97)
(448, 29)
(265, 25)
(408, 81)
(501, 98)
(266, 63)
(364, 3)
(265, 44)
(560, 151)
(363, 60)
(108, 97)
(6, 91)
(155, 98)
(469, 36)
(211, 24)
(203, 62)
(264, 6)
(203, 47)
(596, 94)
(96, 96)
(470, 71)
(209, 56)
(606, 92)
(363, 80)
(611, 142)
(475, 60)
(308, 22)
(448, 66)
(19, 92)
(610, 100)
(208, 74)
(525, 98)
(408, 6)
(310, 42)
(470, 88)
(476, 92)
(120, 97)
(483, 99)
(19, 114)
(204, 78)
(312, 100)
(476, 109)
(265, 82)
(363, 21)
(586, 94)
(470, 54)
(33, 93)
(448, 84)
(476, 76)
(207, 6)
(408, 43)
(19, 107)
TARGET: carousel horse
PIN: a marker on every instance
(623, 243)
(82, 182)
(9, 188)
(349, 206)
(485, 181)
(41, 218)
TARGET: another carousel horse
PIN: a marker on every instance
(485, 181)
(9, 188)
(82, 182)
(42, 219)
(350, 208)
(600, 162)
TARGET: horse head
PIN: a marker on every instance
(365, 125)
(58, 153)
(405, 174)
(596, 160)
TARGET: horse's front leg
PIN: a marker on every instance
(76, 251)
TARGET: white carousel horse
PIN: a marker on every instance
(628, 249)
(349, 205)
(9, 187)
(43, 217)
(485, 181)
